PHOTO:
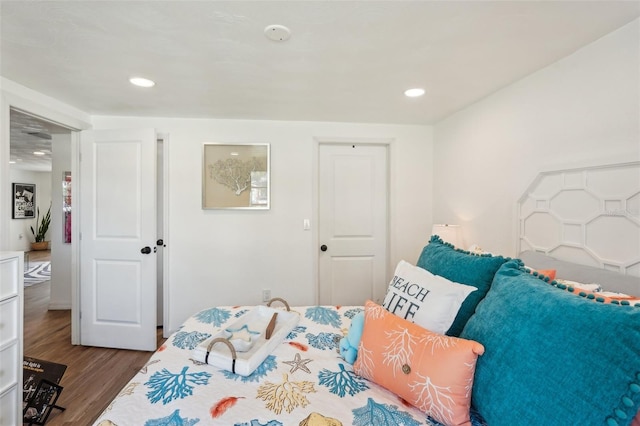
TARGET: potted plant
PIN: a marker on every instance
(43, 227)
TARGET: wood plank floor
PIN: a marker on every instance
(94, 376)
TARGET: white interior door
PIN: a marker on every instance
(353, 193)
(118, 220)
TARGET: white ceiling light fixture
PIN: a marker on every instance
(414, 93)
(38, 153)
(277, 32)
(142, 82)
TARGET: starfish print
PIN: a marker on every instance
(242, 333)
(299, 363)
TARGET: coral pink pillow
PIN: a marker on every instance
(431, 371)
(636, 420)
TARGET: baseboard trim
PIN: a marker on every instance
(59, 306)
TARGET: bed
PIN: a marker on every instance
(304, 380)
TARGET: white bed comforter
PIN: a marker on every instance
(303, 381)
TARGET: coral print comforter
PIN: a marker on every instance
(303, 381)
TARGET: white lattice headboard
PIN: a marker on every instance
(588, 215)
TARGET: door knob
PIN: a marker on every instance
(146, 250)
(323, 247)
(160, 242)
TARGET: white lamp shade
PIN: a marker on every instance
(449, 233)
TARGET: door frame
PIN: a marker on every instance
(165, 233)
(315, 239)
(51, 110)
(54, 115)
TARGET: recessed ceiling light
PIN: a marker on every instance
(38, 153)
(235, 154)
(142, 82)
(12, 162)
(414, 93)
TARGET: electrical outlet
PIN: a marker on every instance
(266, 295)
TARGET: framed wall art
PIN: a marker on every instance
(236, 176)
(24, 201)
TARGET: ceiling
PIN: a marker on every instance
(346, 61)
(29, 135)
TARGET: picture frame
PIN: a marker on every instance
(66, 207)
(236, 176)
(23, 204)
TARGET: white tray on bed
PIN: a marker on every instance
(246, 362)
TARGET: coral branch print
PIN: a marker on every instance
(235, 173)
(215, 316)
(184, 340)
(166, 386)
(433, 399)
(468, 387)
(324, 340)
(399, 349)
(287, 395)
(375, 312)
(172, 419)
(294, 333)
(353, 312)
(437, 341)
(364, 365)
(323, 315)
(381, 414)
(341, 382)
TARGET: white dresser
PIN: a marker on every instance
(11, 320)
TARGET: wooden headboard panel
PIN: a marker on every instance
(588, 215)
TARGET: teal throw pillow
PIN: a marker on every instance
(462, 267)
(552, 357)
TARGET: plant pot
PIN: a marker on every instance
(42, 245)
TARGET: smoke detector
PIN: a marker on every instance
(277, 32)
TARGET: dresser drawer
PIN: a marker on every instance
(9, 364)
(8, 277)
(9, 321)
(10, 408)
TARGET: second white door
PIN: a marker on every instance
(353, 212)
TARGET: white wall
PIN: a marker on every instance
(18, 227)
(60, 296)
(583, 109)
(226, 257)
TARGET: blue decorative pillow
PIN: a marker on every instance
(460, 266)
(553, 358)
